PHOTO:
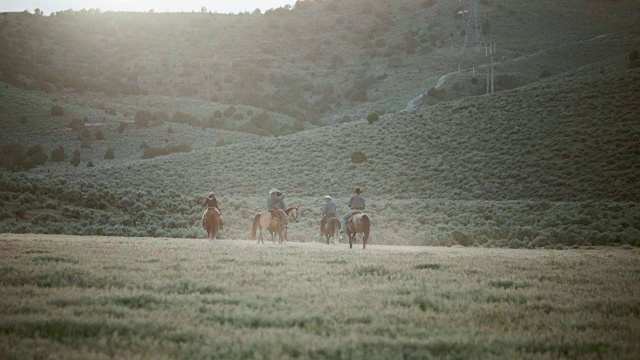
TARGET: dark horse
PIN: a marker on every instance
(211, 222)
(265, 221)
(359, 223)
(293, 213)
(332, 229)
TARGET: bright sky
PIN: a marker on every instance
(221, 6)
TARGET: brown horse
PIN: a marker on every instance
(293, 213)
(265, 221)
(359, 223)
(211, 222)
(332, 229)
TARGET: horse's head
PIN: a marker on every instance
(294, 213)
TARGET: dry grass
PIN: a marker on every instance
(78, 297)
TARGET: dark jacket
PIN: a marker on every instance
(211, 202)
(329, 208)
(275, 202)
(356, 202)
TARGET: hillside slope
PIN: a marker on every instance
(554, 162)
(317, 62)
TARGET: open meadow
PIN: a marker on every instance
(115, 297)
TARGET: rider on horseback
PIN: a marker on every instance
(212, 203)
(275, 204)
(356, 203)
(328, 211)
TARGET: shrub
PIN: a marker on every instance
(76, 124)
(222, 141)
(23, 119)
(150, 153)
(13, 157)
(544, 74)
(634, 59)
(84, 143)
(57, 154)
(57, 110)
(142, 118)
(462, 238)
(358, 157)
(169, 130)
(122, 127)
(90, 164)
(229, 111)
(373, 117)
(75, 158)
(99, 135)
(36, 155)
(110, 154)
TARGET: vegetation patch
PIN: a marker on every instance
(428, 266)
(508, 284)
(184, 287)
(372, 270)
(54, 259)
(137, 302)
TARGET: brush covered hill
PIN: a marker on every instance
(316, 62)
(549, 164)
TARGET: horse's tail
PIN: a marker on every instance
(366, 226)
(254, 228)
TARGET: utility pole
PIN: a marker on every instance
(489, 51)
(473, 34)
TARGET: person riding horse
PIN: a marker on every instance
(356, 204)
(212, 203)
(275, 205)
(328, 211)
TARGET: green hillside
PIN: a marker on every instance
(549, 163)
(316, 62)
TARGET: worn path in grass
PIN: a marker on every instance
(79, 297)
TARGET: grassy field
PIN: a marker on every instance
(106, 297)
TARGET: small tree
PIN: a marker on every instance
(373, 117)
(169, 130)
(122, 127)
(57, 110)
(110, 154)
(75, 158)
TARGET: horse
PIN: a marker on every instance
(293, 213)
(211, 222)
(332, 229)
(265, 220)
(358, 223)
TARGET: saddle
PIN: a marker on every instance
(354, 213)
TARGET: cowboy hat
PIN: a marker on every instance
(211, 193)
(327, 197)
(274, 190)
(358, 190)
